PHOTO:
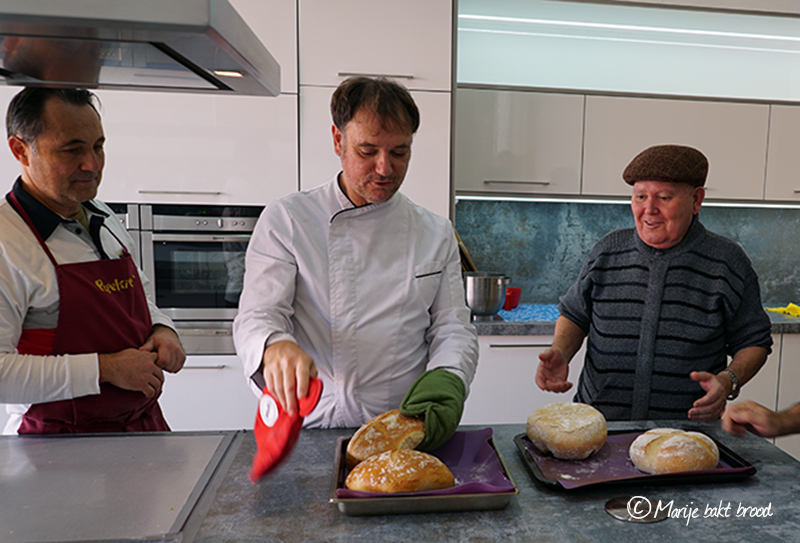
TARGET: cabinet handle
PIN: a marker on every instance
(387, 76)
(796, 191)
(217, 367)
(204, 332)
(206, 192)
(516, 345)
(501, 182)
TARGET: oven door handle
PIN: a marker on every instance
(232, 238)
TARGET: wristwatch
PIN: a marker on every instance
(734, 385)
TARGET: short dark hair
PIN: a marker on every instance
(25, 114)
(389, 101)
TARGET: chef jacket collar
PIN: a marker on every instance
(345, 204)
(44, 219)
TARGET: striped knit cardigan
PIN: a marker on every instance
(653, 316)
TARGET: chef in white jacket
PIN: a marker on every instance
(354, 283)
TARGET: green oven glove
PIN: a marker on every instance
(438, 396)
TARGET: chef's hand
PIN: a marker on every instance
(287, 369)
(132, 369)
(710, 406)
(553, 370)
(751, 417)
(167, 345)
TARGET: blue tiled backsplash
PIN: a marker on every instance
(542, 245)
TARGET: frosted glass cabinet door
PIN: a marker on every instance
(517, 141)
(198, 149)
(411, 40)
(783, 161)
(733, 136)
(427, 181)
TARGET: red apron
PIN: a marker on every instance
(102, 309)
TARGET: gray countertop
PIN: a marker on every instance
(781, 324)
(291, 504)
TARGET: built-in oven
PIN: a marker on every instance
(194, 256)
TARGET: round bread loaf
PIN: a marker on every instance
(386, 432)
(402, 470)
(567, 430)
(667, 450)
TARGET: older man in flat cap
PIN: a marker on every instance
(663, 304)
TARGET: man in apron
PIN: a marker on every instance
(82, 348)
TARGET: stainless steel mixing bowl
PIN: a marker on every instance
(485, 293)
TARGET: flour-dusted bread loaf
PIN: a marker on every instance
(567, 430)
(667, 450)
(386, 432)
(402, 470)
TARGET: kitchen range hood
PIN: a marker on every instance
(154, 45)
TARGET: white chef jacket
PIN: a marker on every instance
(29, 299)
(373, 294)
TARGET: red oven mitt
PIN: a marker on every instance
(276, 431)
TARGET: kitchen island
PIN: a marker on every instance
(292, 503)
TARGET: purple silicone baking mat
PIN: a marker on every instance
(612, 465)
(471, 459)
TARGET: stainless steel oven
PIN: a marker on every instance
(194, 257)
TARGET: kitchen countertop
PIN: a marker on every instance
(291, 504)
(539, 320)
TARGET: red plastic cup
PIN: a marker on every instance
(512, 298)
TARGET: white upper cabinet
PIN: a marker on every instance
(518, 141)
(732, 135)
(198, 149)
(427, 181)
(783, 162)
(9, 167)
(410, 41)
(274, 22)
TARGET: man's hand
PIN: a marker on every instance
(710, 406)
(751, 417)
(167, 345)
(132, 369)
(553, 370)
(287, 369)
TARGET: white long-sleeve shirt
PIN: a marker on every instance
(29, 299)
(373, 294)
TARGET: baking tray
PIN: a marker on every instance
(453, 499)
(606, 467)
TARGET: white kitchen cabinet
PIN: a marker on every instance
(518, 141)
(763, 387)
(411, 42)
(783, 160)
(198, 149)
(209, 393)
(788, 391)
(427, 181)
(9, 167)
(732, 135)
(504, 391)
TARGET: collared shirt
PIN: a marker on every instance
(29, 298)
(373, 294)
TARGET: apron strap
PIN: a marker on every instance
(15, 203)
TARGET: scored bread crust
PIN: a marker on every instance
(402, 470)
(669, 450)
(388, 431)
(567, 430)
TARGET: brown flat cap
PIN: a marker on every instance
(670, 163)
